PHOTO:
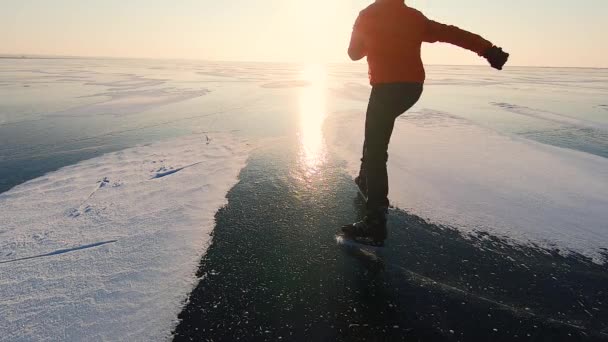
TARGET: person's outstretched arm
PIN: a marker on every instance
(438, 32)
(356, 48)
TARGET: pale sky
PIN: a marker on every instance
(537, 32)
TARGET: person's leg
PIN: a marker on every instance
(361, 179)
(387, 102)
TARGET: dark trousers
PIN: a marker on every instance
(386, 103)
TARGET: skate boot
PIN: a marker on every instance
(371, 231)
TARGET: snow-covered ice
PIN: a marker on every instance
(132, 101)
(447, 169)
(107, 249)
(549, 116)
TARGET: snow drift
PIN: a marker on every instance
(107, 249)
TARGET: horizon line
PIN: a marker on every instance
(52, 56)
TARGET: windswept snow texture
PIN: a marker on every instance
(107, 250)
(549, 116)
(133, 101)
(459, 174)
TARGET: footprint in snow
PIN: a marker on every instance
(104, 182)
(83, 210)
(73, 213)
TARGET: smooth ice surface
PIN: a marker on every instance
(454, 172)
(107, 249)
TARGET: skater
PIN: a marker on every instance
(390, 35)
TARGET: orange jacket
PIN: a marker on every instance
(390, 34)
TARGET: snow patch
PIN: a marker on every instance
(129, 82)
(108, 250)
(133, 101)
(352, 91)
(455, 173)
(286, 84)
(550, 116)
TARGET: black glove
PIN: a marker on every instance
(496, 57)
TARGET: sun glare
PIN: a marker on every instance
(312, 115)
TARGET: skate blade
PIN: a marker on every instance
(369, 255)
(344, 240)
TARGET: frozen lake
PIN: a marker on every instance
(112, 171)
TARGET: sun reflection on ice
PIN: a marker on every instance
(312, 115)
